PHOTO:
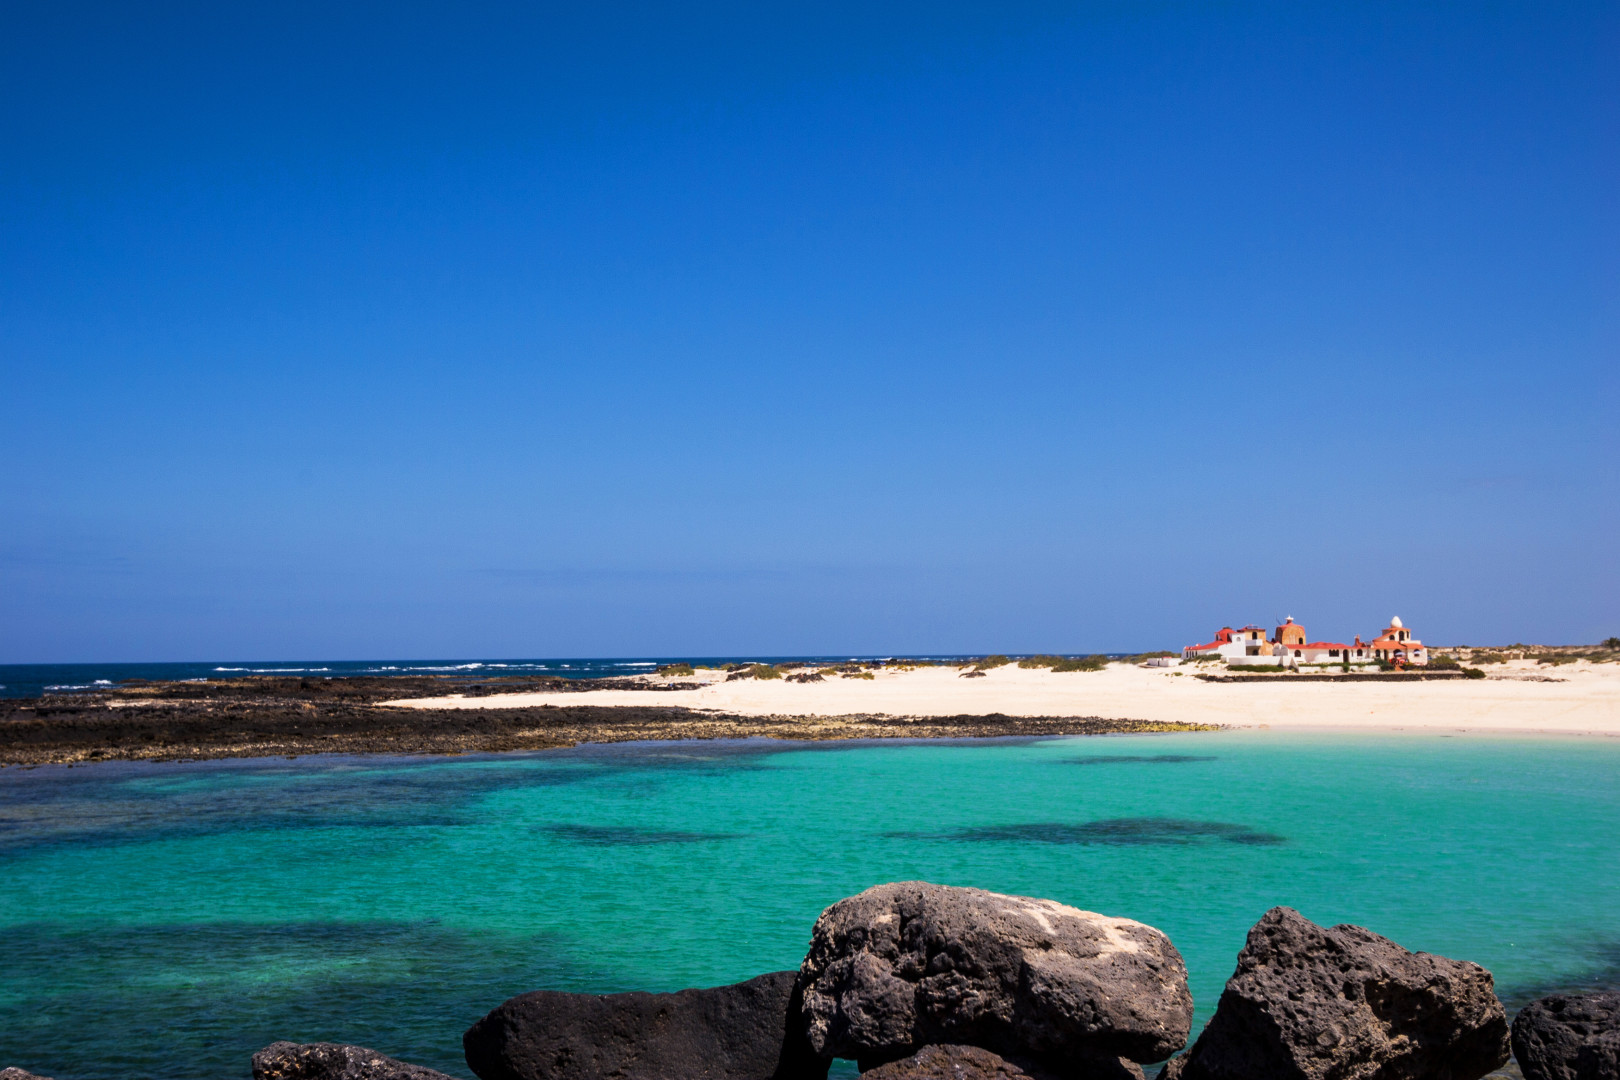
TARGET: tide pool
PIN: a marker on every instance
(168, 920)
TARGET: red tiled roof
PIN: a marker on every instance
(1323, 645)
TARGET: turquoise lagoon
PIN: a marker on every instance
(165, 920)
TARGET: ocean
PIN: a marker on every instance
(166, 920)
(32, 680)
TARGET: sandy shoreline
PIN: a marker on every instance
(261, 716)
(1518, 697)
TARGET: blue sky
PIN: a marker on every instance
(412, 330)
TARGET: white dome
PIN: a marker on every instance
(1396, 621)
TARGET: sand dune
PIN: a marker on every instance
(1521, 696)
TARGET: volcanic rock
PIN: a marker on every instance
(1599, 1058)
(952, 1062)
(13, 1073)
(1308, 1003)
(333, 1061)
(1550, 1034)
(738, 1032)
(904, 965)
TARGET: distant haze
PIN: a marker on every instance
(421, 331)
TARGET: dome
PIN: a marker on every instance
(1396, 621)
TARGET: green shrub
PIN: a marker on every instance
(1042, 661)
(1144, 657)
(675, 669)
(860, 675)
(989, 663)
(1473, 673)
(763, 671)
(1273, 669)
(1081, 663)
(1444, 663)
(1612, 644)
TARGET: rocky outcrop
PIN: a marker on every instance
(953, 1062)
(1315, 1003)
(1550, 1035)
(902, 966)
(333, 1061)
(14, 1073)
(1599, 1058)
(739, 1032)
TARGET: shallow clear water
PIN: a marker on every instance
(167, 920)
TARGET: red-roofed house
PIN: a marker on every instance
(1223, 636)
(1246, 645)
(1331, 652)
(1289, 648)
(1397, 645)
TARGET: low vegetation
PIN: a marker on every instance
(990, 663)
(1067, 663)
(753, 671)
(1082, 663)
(675, 670)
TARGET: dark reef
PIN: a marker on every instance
(270, 717)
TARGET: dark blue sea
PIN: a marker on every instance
(32, 680)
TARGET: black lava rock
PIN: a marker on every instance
(14, 1073)
(907, 965)
(1550, 1035)
(1309, 1003)
(738, 1032)
(1599, 1058)
(955, 1062)
(333, 1061)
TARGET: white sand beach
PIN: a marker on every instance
(1519, 697)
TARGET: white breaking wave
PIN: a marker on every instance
(273, 670)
